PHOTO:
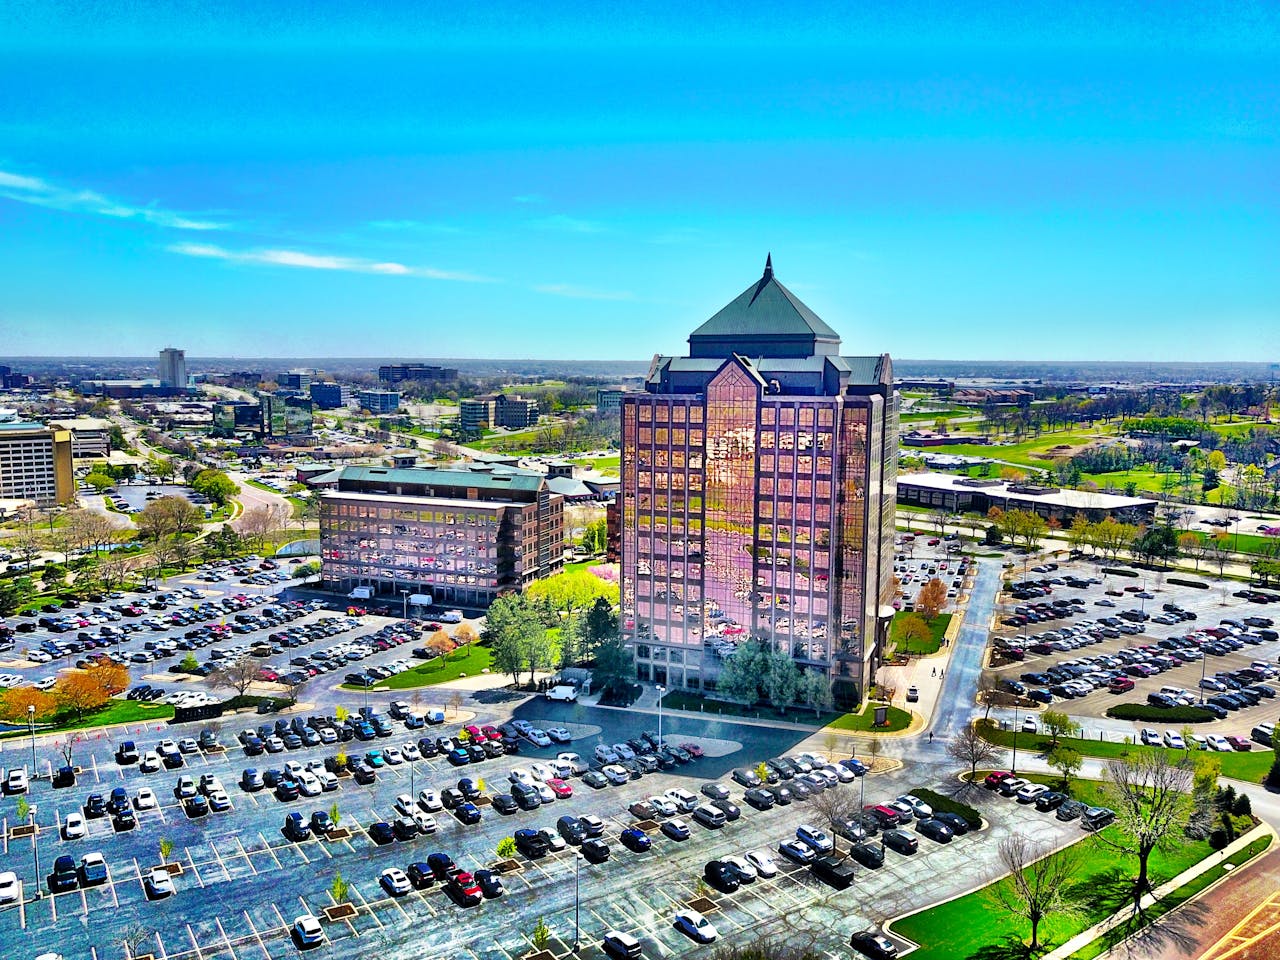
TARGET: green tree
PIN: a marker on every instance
(215, 485)
(99, 481)
(1058, 724)
(909, 627)
(815, 690)
(339, 889)
(506, 848)
(1067, 762)
(598, 625)
(741, 674)
(615, 667)
(540, 936)
(782, 678)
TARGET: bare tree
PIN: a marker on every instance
(237, 675)
(66, 747)
(835, 806)
(1151, 795)
(294, 682)
(993, 693)
(1038, 883)
(258, 523)
(968, 747)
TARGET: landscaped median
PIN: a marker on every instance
(1250, 766)
(470, 660)
(1101, 885)
(115, 712)
(858, 721)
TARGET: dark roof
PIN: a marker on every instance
(767, 310)
(457, 479)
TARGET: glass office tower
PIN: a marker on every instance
(758, 491)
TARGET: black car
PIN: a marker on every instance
(571, 829)
(505, 804)
(196, 806)
(935, 830)
(127, 752)
(321, 823)
(595, 850)
(900, 841)
(363, 773)
(287, 790)
(381, 833)
(442, 866)
(95, 806)
(958, 824)
(125, 820)
(1070, 810)
(452, 797)
(405, 828)
(532, 844)
(1050, 801)
(782, 796)
(873, 945)
(760, 798)
(722, 876)
(595, 779)
(490, 883)
(870, 855)
(295, 828)
(467, 813)
(65, 876)
(420, 875)
(728, 808)
(834, 871)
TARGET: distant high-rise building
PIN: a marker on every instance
(378, 401)
(609, 402)
(285, 416)
(496, 410)
(296, 382)
(330, 396)
(397, 372)
(173, 367)
(758, 486)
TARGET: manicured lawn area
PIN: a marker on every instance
(1174, 899)
(963, 927)
(683, 700)
(469, 660)
(863, 722)
(116, 711)
(937, 628)
(1251, 766)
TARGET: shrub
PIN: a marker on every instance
(1172, 715)
(1120, 571)
(1243, 807)
(1187, 583)
(944, 804)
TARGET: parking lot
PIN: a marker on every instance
(1123, 640)
(242, 882)
(920, 558)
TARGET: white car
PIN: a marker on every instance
(392, 756)
(695, 926)
(9, 887)
(146, 799)
(405, 805)
(73, 828)
(411, 752)
(1031, 792)
(395, 882)
(542, 772)
(426, 823)
(429, 800)
(539, 738)
(328, 782)
(1150, 737)
(557, 842)
(577, 765)
(606, 753)
(624, 751)
(307, 931)
(664, 806)
(763, 864)
(150, 762)
(16, 782)
(520, 775)
(683, 799)
(1174, 740)
(159, 883)
(308, 785)
(918, 806)
(1218, 743)
(745, 870)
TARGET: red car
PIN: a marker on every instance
(996, 777)
(475, 733)
(464, 889)
(934, 541)
(561, 789)
(692, 749)
(269, 675)
(492, 733)
(1120, 685)
(1239, 743)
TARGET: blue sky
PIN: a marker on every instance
(1098, 182)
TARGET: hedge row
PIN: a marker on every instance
(1144, 711)
(1198, 584)
(944, 804)
(1120, 571)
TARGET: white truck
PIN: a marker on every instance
(563, 692)
(450, 616)
(360, 593)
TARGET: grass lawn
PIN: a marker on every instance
(1174, 899)
(863, 722)
(470, 660)
(936, 629)
(1251, 766)
(116, 711)
(701, 703)
(610, 465)
(965, 926)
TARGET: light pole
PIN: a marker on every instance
(35, 847)
(577, 929)
(1013, 764)
(661, 692)
(405, 612)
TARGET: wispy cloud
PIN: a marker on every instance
(42, 193)
(567, 224)
(529, 198)
(419, 226)
(314, 261)
(575, 292)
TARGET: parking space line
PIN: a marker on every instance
(261, 946)
(225, 872)
(164, 954)
(196, 943)
(225, 939)
(191, 861)
(269, 850)
(365, 903)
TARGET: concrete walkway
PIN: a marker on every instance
(1086, 937)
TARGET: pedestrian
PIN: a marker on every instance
(944, 672)
(931, 736)
(933, 671)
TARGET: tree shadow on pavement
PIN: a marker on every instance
(497, 695)
(1010, 948)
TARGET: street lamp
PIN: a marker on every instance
(661, 692)
(577, 928)
(405, 612)
(35, 847)
(1013, 764)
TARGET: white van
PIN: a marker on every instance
(621, 945)
(563, 692)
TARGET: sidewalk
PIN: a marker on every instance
(1086, 937)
